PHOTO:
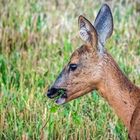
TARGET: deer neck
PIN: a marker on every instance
(118, 90)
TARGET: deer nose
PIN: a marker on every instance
(51, 92)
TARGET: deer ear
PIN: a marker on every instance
(87, 31)
(104, 23)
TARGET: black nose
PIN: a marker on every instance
(52, 92)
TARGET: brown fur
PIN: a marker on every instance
(96, 69)
(118, 90)
(134, 132)
(115, 87)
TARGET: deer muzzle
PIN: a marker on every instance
(58, 93)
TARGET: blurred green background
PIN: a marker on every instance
(37, 38)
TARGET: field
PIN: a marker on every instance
(36, 41)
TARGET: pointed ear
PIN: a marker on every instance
(87, 31)
(104, 23)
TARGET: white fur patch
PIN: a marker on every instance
(60, 101)
(84, 34)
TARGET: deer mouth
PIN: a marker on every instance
(60, 95)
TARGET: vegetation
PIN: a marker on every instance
(36, 41)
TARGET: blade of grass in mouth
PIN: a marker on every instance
(61, 92)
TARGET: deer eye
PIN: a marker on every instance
(72, 67)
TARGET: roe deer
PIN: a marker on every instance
(92, 67)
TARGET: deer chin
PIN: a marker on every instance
(60, 101)
(62, 98)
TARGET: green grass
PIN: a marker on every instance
(36, 41)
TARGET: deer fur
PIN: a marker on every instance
(92, 67)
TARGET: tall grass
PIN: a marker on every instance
(36, 40)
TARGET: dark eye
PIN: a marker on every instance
(72, 67)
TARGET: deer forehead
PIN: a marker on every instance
(83, 53)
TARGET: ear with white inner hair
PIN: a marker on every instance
(87, 31)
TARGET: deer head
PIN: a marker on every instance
(85, 69)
